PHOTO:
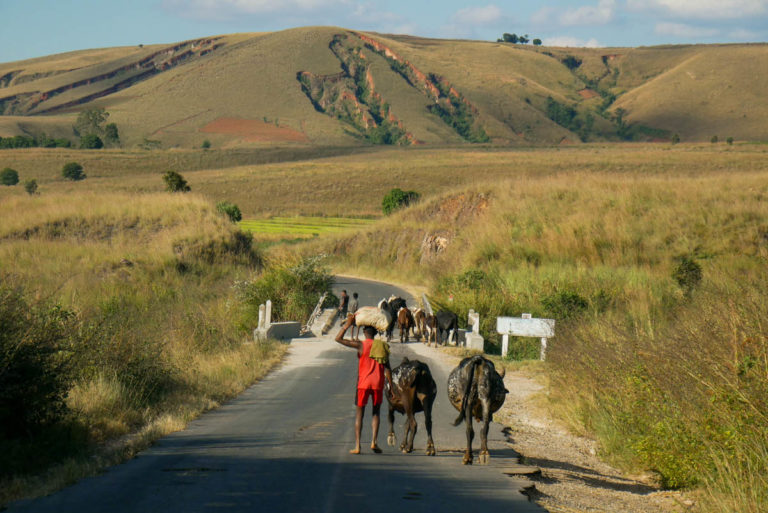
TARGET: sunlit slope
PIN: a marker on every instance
(333, 86)
(720, 90)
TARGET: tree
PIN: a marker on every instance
(30, 186)
(397, 198)
(523, 39)
(174, 182)
(714, 139)
(230, 210)
(206, 144)
(91, 142)
(90, 121)
(729, 141)
(9, 176)
(537, 42)
(675, 138)
(509, 38)
(571, 62)
(73, 171)
(111, 135)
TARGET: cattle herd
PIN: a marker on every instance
(475, 388)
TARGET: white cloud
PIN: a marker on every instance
(745, 35)
(571, 41)
(488, 15)
(704, 9)
(230, 8)
(685, 31)
(600, 14)
(589, 14)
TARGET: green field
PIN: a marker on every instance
(302, 226)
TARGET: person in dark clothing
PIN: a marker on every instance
(343, 306)
(353, 305)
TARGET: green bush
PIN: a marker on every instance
(30, 186)
(293, 289)
(174, 182)
(35, 373)
(729, 141)
(714, 139)
(206, 144)
(73, 171)
(9, 176)
(675, 139)
(397, 198)
(571, 62)
(230, 210)
(687, 274)
(91, 142)
(564, 304)
(111, 135)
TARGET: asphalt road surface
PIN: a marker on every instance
(283, 445)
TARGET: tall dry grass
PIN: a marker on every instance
(149, 279)
(668, 378)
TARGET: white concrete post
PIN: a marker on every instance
(261, 317)
(504, 345)
(268, 315)
(543, 349)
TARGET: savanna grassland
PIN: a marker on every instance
(650, 257)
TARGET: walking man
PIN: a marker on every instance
(372, 372)
(343, 305)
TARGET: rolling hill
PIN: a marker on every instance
(333, 86)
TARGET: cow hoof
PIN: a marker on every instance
(467, 460)
(431, 450)
(391, 440)
(484, 458)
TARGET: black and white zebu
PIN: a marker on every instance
(476, 390)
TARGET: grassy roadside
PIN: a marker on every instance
(654, 279)
(120, 309)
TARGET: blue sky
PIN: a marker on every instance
(41, 27)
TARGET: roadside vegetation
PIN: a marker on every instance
(120, 310)
(656, 281)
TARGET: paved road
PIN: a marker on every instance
(283, 446)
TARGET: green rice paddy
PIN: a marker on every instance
(302, 226)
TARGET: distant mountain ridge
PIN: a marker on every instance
(333, 86)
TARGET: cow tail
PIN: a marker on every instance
(468, 392)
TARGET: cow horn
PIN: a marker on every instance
(503, 371)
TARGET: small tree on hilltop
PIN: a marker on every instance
(174, 182)
(230, 210)
(31, 186)
(73, 171)
(537, 42)
(9, 176)
(509, 38)
(397, 198)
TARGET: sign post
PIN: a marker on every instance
(525, 326)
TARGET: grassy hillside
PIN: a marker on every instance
(244, 90)
(119, 308)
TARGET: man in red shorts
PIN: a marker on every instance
(371, 375)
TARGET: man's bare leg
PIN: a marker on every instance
(375, 420)
(358, 429)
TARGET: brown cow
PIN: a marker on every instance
(414, 390)
(420, 326)
(404, 323)
(430, 324)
